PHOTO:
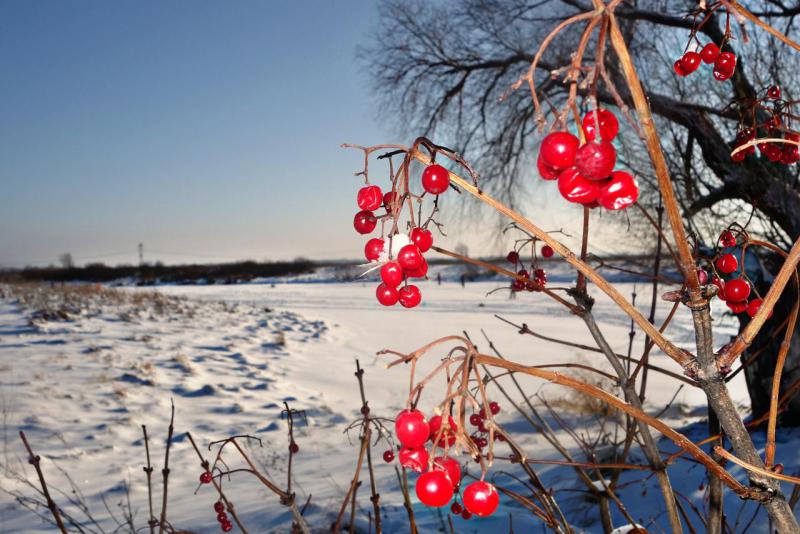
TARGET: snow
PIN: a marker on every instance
(230, 356)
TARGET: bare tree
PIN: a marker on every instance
(447, 68)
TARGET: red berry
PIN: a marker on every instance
(709, 53)
(547, 251)
(449, 466)
(559, 149)
(222, 517)
(574, 187)
(737, 307)
(737, 290)
(475, 419)
(364, 222)
(595, 161)
(227, 526)
(390, 198)
(790, 155)
(724, 66)
(448, 434)
(411, 428)
(423, 238)
(609, 126)
(546, 171)
(773, 123)
(434, 489)
(619, 192)
(720, 283)
(727, 239)
(205, 478)
(753, 306)
(219, 507)
(690, 61)
(774, 92)
(540, 277)
(435, 179)
(420, 272)
(455, 508)
(392, 274)
(415, 459)
(409, 296)
(772, 151)
(370, 197)
(702, 276)
(294, 448)
(410, 258)
(494, 407)
(481, 498)
(678, 67)
(727, 263)
(720, 287)
(373, 249)
(513, 257)
(388, 456)
(387, 295)
(465, 515)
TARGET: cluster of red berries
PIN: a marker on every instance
(585, 173)
(539, 279)
(439, 479)
(222, 517)
(401, 255)
(478, 420)
(205, 478)
(724, 62)
(736, 291)
(776, 152)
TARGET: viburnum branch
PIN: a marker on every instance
(148, 470)
(765, 472)
(35, 461)
(165, 471)
(525, 329)
(761, 24)
(679, 439)
(728, 354)
(217, 486)
(687, 264)
(572, 307)
(769, 448)
(682, 357)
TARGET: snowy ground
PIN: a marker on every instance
(229, 356)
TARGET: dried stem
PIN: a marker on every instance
(35, 461)
(162, 524)
(148, 470)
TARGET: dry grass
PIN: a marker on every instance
(64, 302)
(577, 403)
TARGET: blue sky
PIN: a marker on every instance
(209, 131)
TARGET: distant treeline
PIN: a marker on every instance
(153, 273)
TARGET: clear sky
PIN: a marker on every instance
(209, 131)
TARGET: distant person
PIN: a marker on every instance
(463, 280)
(439, 278)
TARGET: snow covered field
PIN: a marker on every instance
(230, 356)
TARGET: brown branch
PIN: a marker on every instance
(162, 524)
(148, 469)
(682, 357)
(35, 461)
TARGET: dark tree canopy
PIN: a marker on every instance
(441, 69)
